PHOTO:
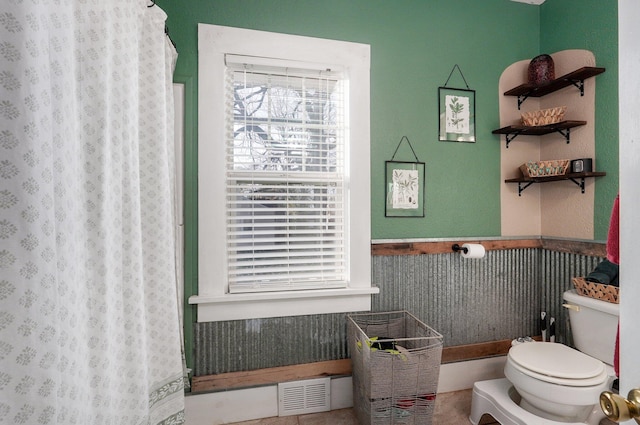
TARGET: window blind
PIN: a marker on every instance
(285, 177)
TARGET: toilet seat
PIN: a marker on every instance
(557, 364)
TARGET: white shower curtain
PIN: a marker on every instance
(89, 329)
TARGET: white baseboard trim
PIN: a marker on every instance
(461, 375)
(225, 407)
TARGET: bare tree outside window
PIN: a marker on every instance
(285, 164)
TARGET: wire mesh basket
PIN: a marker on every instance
(395, 367)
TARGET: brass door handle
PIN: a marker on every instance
(620, 409)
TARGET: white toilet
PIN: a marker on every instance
(548, 383)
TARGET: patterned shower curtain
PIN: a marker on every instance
(89, 328)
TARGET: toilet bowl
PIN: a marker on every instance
(548, 383)
(555, 381)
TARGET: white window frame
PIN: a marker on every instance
(213, 300)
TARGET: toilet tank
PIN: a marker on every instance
(594, 325)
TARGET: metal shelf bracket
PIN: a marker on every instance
(579, 85)
(566, 134)
(580, 184)
(521, 188)
(521, 99)
(509, 137)
(523, 185)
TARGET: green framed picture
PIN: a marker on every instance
(457, 115)
(404, 189)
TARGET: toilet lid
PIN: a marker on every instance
(556, 360)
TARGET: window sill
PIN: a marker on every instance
(287, 303)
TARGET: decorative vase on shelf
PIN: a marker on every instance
(541, 70)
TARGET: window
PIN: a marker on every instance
(283, 175)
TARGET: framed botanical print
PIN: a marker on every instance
(457, 115)
(404, 189)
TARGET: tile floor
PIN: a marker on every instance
(452, 408)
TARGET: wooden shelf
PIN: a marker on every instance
(577, 178)
(575, 78)
(524, 91)
(562, 127)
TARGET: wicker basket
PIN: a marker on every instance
(543, 116)
(596, 290)
(396, 366)
(554, 167)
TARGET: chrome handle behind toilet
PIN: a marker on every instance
(620, 409)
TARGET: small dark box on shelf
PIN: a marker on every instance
(582, 165)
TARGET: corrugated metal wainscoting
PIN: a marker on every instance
(241, 345)
(557, 269)
(467, 300)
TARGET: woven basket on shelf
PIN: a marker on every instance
(554, 167)
(596, 290)
(543, 116)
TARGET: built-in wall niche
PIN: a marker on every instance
(563, 206)
(563, 127)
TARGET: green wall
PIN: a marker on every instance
(592, 25)
(414, 46)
